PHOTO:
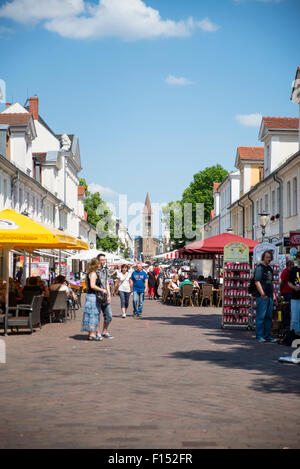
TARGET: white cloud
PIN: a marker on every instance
(171, 80)
(207, 25)
(249, 120)
(127, 19)
(25, 11)
(105, 192)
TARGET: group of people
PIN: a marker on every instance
(98, 298)
(266, 296)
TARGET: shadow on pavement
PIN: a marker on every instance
(243, 352)
(79, 337)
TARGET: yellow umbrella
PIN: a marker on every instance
(18, 231)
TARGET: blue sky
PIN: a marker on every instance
(152, 101)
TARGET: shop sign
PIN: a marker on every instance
(236, 252)
(261, 248)
(295, 238)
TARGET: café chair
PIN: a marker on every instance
(207, 294)
(24, 315)
(219, 296)
(187, 294)
(58, 304)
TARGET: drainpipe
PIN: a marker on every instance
(280, 182)
(15, 179)
(242, 206)
(252, 211)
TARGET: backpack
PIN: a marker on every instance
(252, 290)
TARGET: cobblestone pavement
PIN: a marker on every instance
(173, 379)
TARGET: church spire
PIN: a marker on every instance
(148, 204)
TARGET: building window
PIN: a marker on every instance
(267, 157)
(278, 200)
(266, 203)
(273, 208)
(5, 192)
(257, 213)
(295, 196)
(246, 216)
(261, 205)
(288, 198)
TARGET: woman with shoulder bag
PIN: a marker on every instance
(91, 312)
(123, 285)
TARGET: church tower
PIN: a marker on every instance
(148, 245)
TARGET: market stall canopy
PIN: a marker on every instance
(92, 253)
(168, 255)
(215, 245)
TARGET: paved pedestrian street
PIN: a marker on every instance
(173, 379)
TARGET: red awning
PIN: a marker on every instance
(216, 244)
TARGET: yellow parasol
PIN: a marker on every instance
(19, 232)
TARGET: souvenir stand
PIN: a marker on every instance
(257, 254)
(236, 299)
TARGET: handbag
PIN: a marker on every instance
(101, 297)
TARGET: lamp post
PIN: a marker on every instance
(229, 230)
(264, 219)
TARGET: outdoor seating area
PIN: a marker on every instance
(194, 294)
(30, 309)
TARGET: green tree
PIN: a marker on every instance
(200, 191)
(98, 211)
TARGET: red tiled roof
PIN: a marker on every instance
(281, 122)
(15, 119)
(81, 190)
(216, 185)
(251, 153)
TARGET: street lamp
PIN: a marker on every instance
(229, 230)
(264, 219)
(92, 245)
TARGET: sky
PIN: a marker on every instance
(156, 90)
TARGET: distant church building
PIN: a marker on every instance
(146, 246)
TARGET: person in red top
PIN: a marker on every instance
(286, 291)
(156, 272)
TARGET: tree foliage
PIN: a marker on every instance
(92, 204)
(200, 191)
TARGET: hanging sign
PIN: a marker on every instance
(295, 238)
(261, 248)
(236, 252)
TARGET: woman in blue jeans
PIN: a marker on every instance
(122, 282)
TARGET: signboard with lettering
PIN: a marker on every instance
(261, 248)
(295, 238)
(236, 252)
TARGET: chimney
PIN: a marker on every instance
(7, 104)
(34, 107)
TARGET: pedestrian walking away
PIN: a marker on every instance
(151, 283)
(139, 286)
(91, 311)
(123, 285)
(105, 308)
(294, 284)
(156, 272)
(265, 298)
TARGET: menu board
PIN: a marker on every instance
(236, 252)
